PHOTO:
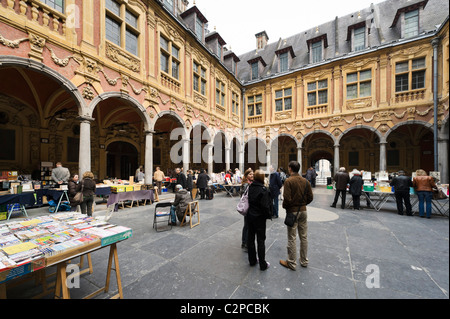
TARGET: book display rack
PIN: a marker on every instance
(31, 245)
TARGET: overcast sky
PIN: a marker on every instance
(237, 21)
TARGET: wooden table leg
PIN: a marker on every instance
(3, 291)
(114, 255)
(61, 282)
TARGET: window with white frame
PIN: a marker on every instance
(235, 103)
(283, 100)
(170, 58)
(359, 39)
(317, 92)
(316, 51)
(199, 28)
(410, 75)
(199, 78)
(118, 22)
(220, 93)
(411, 23)
(284, 62)
(255, 67)
(58, 5)
(254, 105)
(359, 84)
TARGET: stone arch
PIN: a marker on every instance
(119, 95)
(357, 127)
(316, 132)
(45, 70)
(392, 129)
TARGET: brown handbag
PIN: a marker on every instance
(78, 198)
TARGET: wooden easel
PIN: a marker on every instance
(191, 210)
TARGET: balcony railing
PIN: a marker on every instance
(170, 82)
(410, 96)
(39, 13)
(255, 120)
(317, 110)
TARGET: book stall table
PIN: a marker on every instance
(33, 245)
(21, 199)
(378, 199)
(135, 196)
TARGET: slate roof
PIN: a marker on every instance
(378, 17)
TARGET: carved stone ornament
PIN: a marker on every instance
(283, 116)
(121, 57)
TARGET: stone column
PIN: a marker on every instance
(85, 145)
(210, 160)
(186, 154)
(383, 165)
(299, 158)
(227, 158)
(149, 158)
(443, 160)
(336, 159)
(241, 161)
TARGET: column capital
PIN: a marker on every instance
(148, 132)
(85, 119)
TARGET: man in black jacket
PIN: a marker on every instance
(181, 178)
(402, 184)
(202, 183)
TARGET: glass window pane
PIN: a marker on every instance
(113, 6)
(196, 80)
(251, 99)
(353, 77)
(259, 98)
(164, 63)
(203, 88)
(278, 105)
(283, 62)
(55, 4)
(365, 89)
(311, 86)
(352, 91)
(175, 69)
(199, 28)
(411, 23)
(131, 42)
(278, 94)
(359, 39)
(251, 110)
(259, 109)
(418, 64)
(401, 67)
(418, 80)
(316, 52)
(175, 52)
(323, 97)
(164, 44)
(288, 92)
(323, 84)
(312, 99)
(365, 75)
(401, 83)
(131, 19)
(288, 103)
(112, 31)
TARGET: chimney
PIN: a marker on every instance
(261, 40)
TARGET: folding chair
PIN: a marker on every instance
(162, 210)
(191, 210)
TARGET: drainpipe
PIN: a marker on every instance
(435, 44)
(242, 168)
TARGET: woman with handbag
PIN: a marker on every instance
(74, 187)
(89, 186)
(424, 185)
(247, 179)
(260, 209)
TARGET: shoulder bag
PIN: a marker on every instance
(78, 198)
(243, 205)
(290, 218)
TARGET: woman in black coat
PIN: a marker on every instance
(260, 209)
(74, 186)
(355, 189)
(89, 187)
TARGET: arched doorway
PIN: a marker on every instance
(122, 160)
(255, 154)
(38, 117)
(282, 151)
(410, 147)
(360, 149)
(219, 153)
(317, 146)
(199, 143)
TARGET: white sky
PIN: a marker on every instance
(237, 21)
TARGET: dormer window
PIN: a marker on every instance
(411, 23)
(316, 46)
(356, 34)
(199, 28)
(285, 56)
(409, 18)
(169, 5)
(257, 64)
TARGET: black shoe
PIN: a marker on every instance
(334, 206)
(400, 214)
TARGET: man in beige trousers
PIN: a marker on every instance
(297, 194)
